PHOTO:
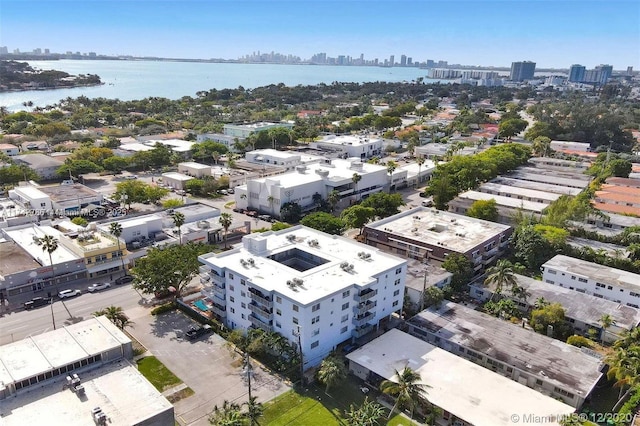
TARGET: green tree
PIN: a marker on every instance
(442, 190)
(115, 229)
(172, 203)
(80, 221)
(229, 414)
(116, 315)
(195, 187)
(500, 276)
(541, 146)
(391, 167)
(512, 127)
(226, 220)
(333, 199)
(406, 390)
(115, 164)
(77, 168)
(384, 204)
(154, 193)
(620, 167)
(624, 367)
(551, 315)
(355, 179)
(484, 209)
(290, 212)
(461, 268)
(131, 191)
(368, 414)
(420, 161)
(433, 296)
(12, 174)
(255, 410)
(332, 371)
(606, 321)
(170, 267)
(531, 248)
(178, 220)
(357, 216)
(324, 222)
(503, 308)
(49, 244)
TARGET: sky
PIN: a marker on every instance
(552, 33)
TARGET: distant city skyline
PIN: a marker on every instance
(554, 34)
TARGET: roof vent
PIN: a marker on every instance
(291, 237)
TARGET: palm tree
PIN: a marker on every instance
(225, 220)
(270, 199)
(355, 179)
(227, 415)
(408, 391)
(255, 410)
(333, 199)
(624, 366)
(178, 221)
(540, 303)
(520, 293)
(50, 244)
(420, 161)
(391, 167)
(115, 229)
(367, 414)
(605, 321)
(332, 371)
(116, 315)
(500, 275)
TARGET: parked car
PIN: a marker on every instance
(181, 192)
(195, 332)
(237, 210)
(98, 287)
(131, 177)
(124, 279)
(223, 192)
(37, 302)
(231, 191)
(65, 294)
(265, 217)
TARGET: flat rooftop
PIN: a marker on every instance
(14, 258)
(453, 231)
(61, 193)
(25, 237)
(579, 166)
(32, 192)
(550, 178)
(457, 385)
(539, 186)
(274, 153)
(177, 176)
(416, 271)
(627, 182)
(38, 161)
(564, 365)
(348, 140)
(322, 274)
(191, 211)
(501, 200)
(518, 191)
(580, 306)
(194, 165)
(118, 388)
(594, 271)
(43, 352)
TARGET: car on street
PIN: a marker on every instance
(195, 332)
(231, 191)
(37, 302)
(265, 217)
(98, 287)
(131, 177)
(238, 210)
(124, 279)
(65, 294)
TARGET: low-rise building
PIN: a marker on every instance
(560, 164)
(9, 149)
(539, 175)
(591, 278)
(538, 186)
(269, 194)
(621, 199)
(271, 157)
(196, 170)
(518, 193)
(420, 277)
(549, 366)
(315, 289)
(51, 376)
(582, 311)
(609, 225)
(436, 151)
(44, 165)
(349, 146)
(243, 131)
(424, 233)
(418, 174)
(468, 394)
(508, 208)
(71, 198)
(570, 146)
(175, 180)
(228, 141)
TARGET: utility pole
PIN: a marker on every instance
(302, 381)
(248, 367)
(424, 290)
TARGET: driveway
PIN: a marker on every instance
(205, 365)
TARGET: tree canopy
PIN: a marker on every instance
(384, 204)
(484, 209)
(324, 222)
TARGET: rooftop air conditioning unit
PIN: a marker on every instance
(251, 262)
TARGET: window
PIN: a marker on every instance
(398, 271)
(231, 299)
(278, 325)
(396, 282)
(551, 271)
(600, 285)
(581, 290)
(345, 318)
(344, 329)
(633, 294)
(231, 288)
(345, 294)
(582, 280)
(397, 292)
(609, 287)
(315, 344)
(295, 320)
(315, 332)
(295, 308)
(233, 311)
(563, 392)
(244, 305)
(538, 382)
(243, 282)
(315, 307)
(278, 312)
(345, 306)
(315, 320)
(230, 276)
(242, 316)
(395, 303)
(278, 299)
(549, 281)
(573, 277)
(243, 294)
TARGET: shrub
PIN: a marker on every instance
(167, 307)
(579, 341)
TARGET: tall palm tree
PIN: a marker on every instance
(420, 161)
(333, 199)
(216, 156)
(225, 220)
(332, 371)
(367, 414)
(391, 167)
(355, 179)
(228, 414)
(501, 275)
(407, 390)
(270, 199)
(115, 229)
(624, 366)
(255, 410)
(605, 321)
(540, 303)
(116, 315)
(178, 221)
(50, 244)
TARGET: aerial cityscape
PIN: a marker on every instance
(358, 213)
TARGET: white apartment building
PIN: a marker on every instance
(590, 278)
(269, 194)
(197, 170)
(308, 286)
(350, 146)
(225, 140)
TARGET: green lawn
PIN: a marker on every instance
(313, 407)
(157, 373)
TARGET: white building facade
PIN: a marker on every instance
(313, 288)
(350, 146)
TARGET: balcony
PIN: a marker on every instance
(219, 310)
(258, 323)
(260, 299)
(365, 295)
(490, 253)
(364, 307)
(362, 320)
(216, 278)
(204, 269)
(219, 292)
(260, 310)
(361, 331)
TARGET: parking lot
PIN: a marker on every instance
(204, 364)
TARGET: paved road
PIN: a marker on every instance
(18, 325)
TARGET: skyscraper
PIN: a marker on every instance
(576, 73)
(392, 60)
(605, 73)
(403, 60)
(521, 71)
